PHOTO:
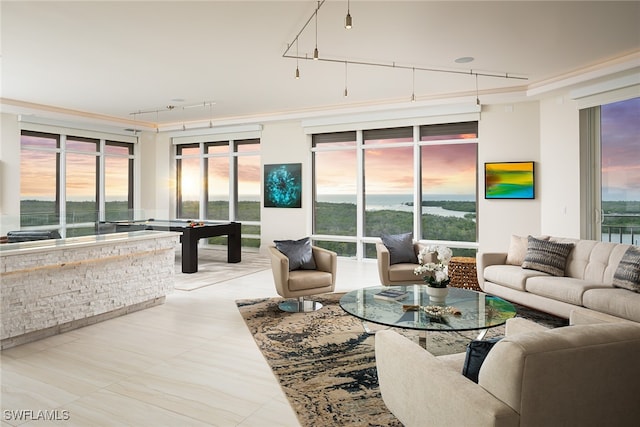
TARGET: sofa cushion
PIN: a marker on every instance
(403, 272)
(593, 260)
(549, 257)
(477, 351)
(614, 301)
(627, 274)
(299, 253)
(510, 275)
(518, 249)
(300, 280)
(565, 289)
(400, 248)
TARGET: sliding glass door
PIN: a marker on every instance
(620, 171)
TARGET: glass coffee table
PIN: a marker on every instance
(463, 309)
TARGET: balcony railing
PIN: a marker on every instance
(628, 233)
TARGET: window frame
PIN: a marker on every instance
(232, 154)
(63, 226)
(318, 141)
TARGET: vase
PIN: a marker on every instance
(437, 295)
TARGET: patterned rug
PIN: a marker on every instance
(325, 361)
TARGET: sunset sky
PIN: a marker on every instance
(621, 150)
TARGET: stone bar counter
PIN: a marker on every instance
(52, 286)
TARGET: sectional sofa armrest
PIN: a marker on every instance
(584, 316)
(485, 259)
(518, 325)
(422, 390)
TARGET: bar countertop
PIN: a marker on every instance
(75, 242)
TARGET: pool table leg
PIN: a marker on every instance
(189, 254)
(234, 244)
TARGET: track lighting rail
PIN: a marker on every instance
(205, 104)
(297, 57)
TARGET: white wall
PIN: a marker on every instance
(285, 142)
(560, 175)
(508, 133)
(9, 174)
(157, 178)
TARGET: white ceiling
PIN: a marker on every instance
(113, 58)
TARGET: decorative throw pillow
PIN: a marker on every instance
(477, 351)
(627, 274)
(546, 256)
(518, 249)
(400, 248)
(299, 253)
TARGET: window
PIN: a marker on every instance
(70, 182)
(610, 134)
(81, 177)
(39, 172)
(218, 170)
(335, 168)
(449, 158)
(410, 179)
(189, 182)
(118, 181)
(220, 181)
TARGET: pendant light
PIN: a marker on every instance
(315, 51)
(413, 90)
(348, 23)
(297, 61)
(346, 93)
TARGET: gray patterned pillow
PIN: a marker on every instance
(400, 248)
(299, 253)
(627, 274)
(546, 256)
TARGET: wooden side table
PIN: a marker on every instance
(462, 273)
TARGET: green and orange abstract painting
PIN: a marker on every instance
(509, 180)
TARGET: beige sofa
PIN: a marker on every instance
(584, 375)
(587, 283)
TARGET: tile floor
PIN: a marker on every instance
(188, 362)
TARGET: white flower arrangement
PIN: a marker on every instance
(435, 274)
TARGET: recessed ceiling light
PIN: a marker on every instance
(464, 59)
(177, 100)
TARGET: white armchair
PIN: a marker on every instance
(586, 375)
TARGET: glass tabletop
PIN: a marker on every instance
(463, 309)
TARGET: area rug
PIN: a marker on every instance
(213, 268)
(325, 362)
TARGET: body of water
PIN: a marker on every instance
(398, 202)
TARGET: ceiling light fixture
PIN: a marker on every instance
(477, 96)
(135, 123)
(346, 93)
(297, 61)
(464, 59)
(348, 23)
(413, 90)
(388, 64)
(315, 51)
(183, 116)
